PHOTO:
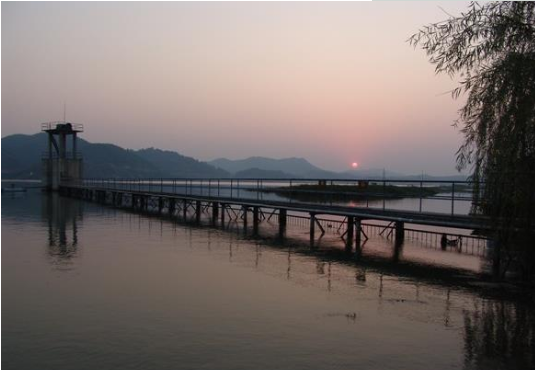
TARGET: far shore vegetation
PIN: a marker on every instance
(323, 192)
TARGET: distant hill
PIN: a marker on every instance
(256, 173)
(299, 167)
(21, 158)
(177, 165)
(21, 155)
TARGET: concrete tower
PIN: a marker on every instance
(61, 165)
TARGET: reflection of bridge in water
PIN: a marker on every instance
(326, 251)
(496, 328)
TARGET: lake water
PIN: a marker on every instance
(85, 286)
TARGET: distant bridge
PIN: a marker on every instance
(261, 199)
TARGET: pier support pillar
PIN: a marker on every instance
(358, 233)
(282, 222)
(172, 206)
(215, 211)
(184, 209)
(358, 237)
(400, 231)
(398, 248)
(256, 219)
(312, 226)
(198, 210)
(223, 210)
(160, 204)
(245, 210)
(349, 234)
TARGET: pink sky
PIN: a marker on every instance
(332, 82)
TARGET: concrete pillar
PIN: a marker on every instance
(312, 226)
(215, 211)
(282, 222)
(398, 248)
(142, 202)
(62, 145)
(349, 234)
(358, 234)
(198, 210)
(400, 231)
(223, 210)
(256, 219)
(50, 153)
(184, 209)
(160, 204)
(245, 210)
(172, 206)
(74, 145)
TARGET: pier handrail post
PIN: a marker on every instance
(161, 185)
(452, 198)
(384, 194)
(291, 191)
(421, 194)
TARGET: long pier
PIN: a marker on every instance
(257, 200)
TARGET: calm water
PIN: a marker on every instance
(89, 287)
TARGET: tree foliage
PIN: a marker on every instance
(491, 48)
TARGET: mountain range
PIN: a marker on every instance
(21, 158)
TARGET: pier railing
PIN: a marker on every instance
(443, 197)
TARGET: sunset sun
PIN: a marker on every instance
(354, 165)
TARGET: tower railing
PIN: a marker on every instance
(56, 125)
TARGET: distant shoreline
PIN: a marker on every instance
(350, 192)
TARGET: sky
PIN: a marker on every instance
(334, 83)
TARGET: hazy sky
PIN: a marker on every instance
(332, 82)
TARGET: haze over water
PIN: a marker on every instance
(86, 286)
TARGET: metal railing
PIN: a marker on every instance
(441, 197)
(58, 125)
